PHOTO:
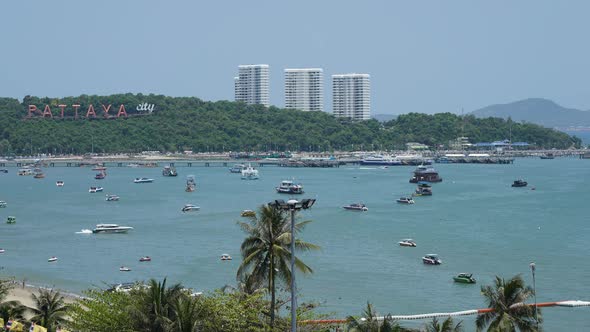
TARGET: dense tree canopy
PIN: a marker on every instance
(187, 123)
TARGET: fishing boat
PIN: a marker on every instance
(405, 200)
(169, 171)
(356, 207)
(11, 220)
(112, 198)
(431, 259)
(3, 204)
(191, 185)
(288, 187)
(190, 208)
(249, 173)
(465, 278)
(519, 183)
(59, 183)
(143, 180)
(93, 190)
(424, 173)
(248, 213)
(225, 257)
(52, 259)
(237, 168)
(124, 269)
(407, 243)
(145, 259)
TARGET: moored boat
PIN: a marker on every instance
(519, 183)
(380, 160)
(11, 220)
(93, 190)
(407, 243)
(3, 204)
(249, 173)
(59, 183)
(356, 207)
(237, 168)
(431, 259)
(2, 251)
(143, 180)
(548, 156)
(112, 198)
(465, 278)
(145, 259)
(38, 174)
(424, 173)
(100, 176)
(190, 208)
(111, 228)
(52, 259)
(169, 171)
(405, 200)
(124, 269)
(288, 187)
(225, 257)
(191, 185)
(25, 171)
(423, 189)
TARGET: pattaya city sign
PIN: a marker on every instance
(74, 111)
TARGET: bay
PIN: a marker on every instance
(475, 221)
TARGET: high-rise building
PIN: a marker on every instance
(252, 83)
(304, 89)
(351, 94)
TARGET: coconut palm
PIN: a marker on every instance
(186, 314)
(9, 309)
(152, 309)
(509, 312)
(369, 322)
(445, 326)
(50, 308)
(266, 252)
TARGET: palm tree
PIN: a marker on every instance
(266, 253)
(9, 309)
(186, 314)
(152, 306)
(369, 322)
(50, 308)
(445, 326)
(509, 312)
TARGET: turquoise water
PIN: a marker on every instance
(475, 221)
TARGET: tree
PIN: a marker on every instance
(265, 251)
(445, 326)
(370, 322)
(509, 312)
(186, 314)
(101, 311)
(50, 308)
(151, 309)
(9, 309)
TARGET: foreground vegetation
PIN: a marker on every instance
(184, 123)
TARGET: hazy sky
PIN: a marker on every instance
(423, 56)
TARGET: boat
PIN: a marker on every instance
(11, 220)
(424, 173)
(143, 180)
(3, 170)
(145, 259)
(112, 198)
(288, 187)
(169, 171)
(38, 174)
(25, 171)
(93, 190)
(225, 257)
(191, 185)
(405, 200)
(356, 207)
(465, 278)
(431, 259)
(407, 243)
(190, 208)
(548, 156)
(249, 173)
(423, 189)
(59, 183)
(100, 176)
(237, 168)
(248, 213)
(3, 204)
(99, 168)
(52, 259)
(380, 160)
(519, 183)
(2, 251)
(111, 228)
(124, 269)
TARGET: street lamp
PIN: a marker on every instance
(293, 205)
(532, 265)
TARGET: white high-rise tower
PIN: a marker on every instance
(304, 89)
(252, 84)
(351, 94)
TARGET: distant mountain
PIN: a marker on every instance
(384, 117)
(537, 110)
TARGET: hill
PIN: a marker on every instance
(537, 110)
(172, 124)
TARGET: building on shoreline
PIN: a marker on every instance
(252, 84)
(351, 94)
(304, 89)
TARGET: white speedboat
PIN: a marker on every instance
(112, 198)
(111, 228)
(356, 207)
(145, 259)
(124, 269)
(225, 257)
(190, 208)
(2, 251)
(407, 243)
(405, 200)
(59, 183)
(380, 160)
(431, 259)
(52, 259)
(3, 204)
(237, 168)
(249, 173)
(288, 187)
(93, 190)
(143, 180)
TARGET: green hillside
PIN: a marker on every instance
(186, 123)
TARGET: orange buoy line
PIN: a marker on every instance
(569, 303)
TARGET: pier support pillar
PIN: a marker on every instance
(189, 164)
(206, 164)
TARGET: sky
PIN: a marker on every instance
(423, 56)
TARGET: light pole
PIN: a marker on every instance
(293, 205)
(532, 265)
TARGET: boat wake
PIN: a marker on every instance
(85, 231)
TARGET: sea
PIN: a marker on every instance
(475, 221)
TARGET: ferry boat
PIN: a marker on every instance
(356, 207)
(405, 200)
(112, 198)
(124, 269)
(111, 228)
(143, 180)
(380, 160)
(190, 208)
(424, 189)
(59, 183)
(169, 171)
(407, 243)
(145, 259)
(11, 220)
(237, 168)
(431, 259)
(424, 173)
(519, 183)
(3, 204)
(225, 257)
(288, 187)
(464, 278)
(248, 213)
(191, 185)
(52, 259)
(249, 173)
(93, 190)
